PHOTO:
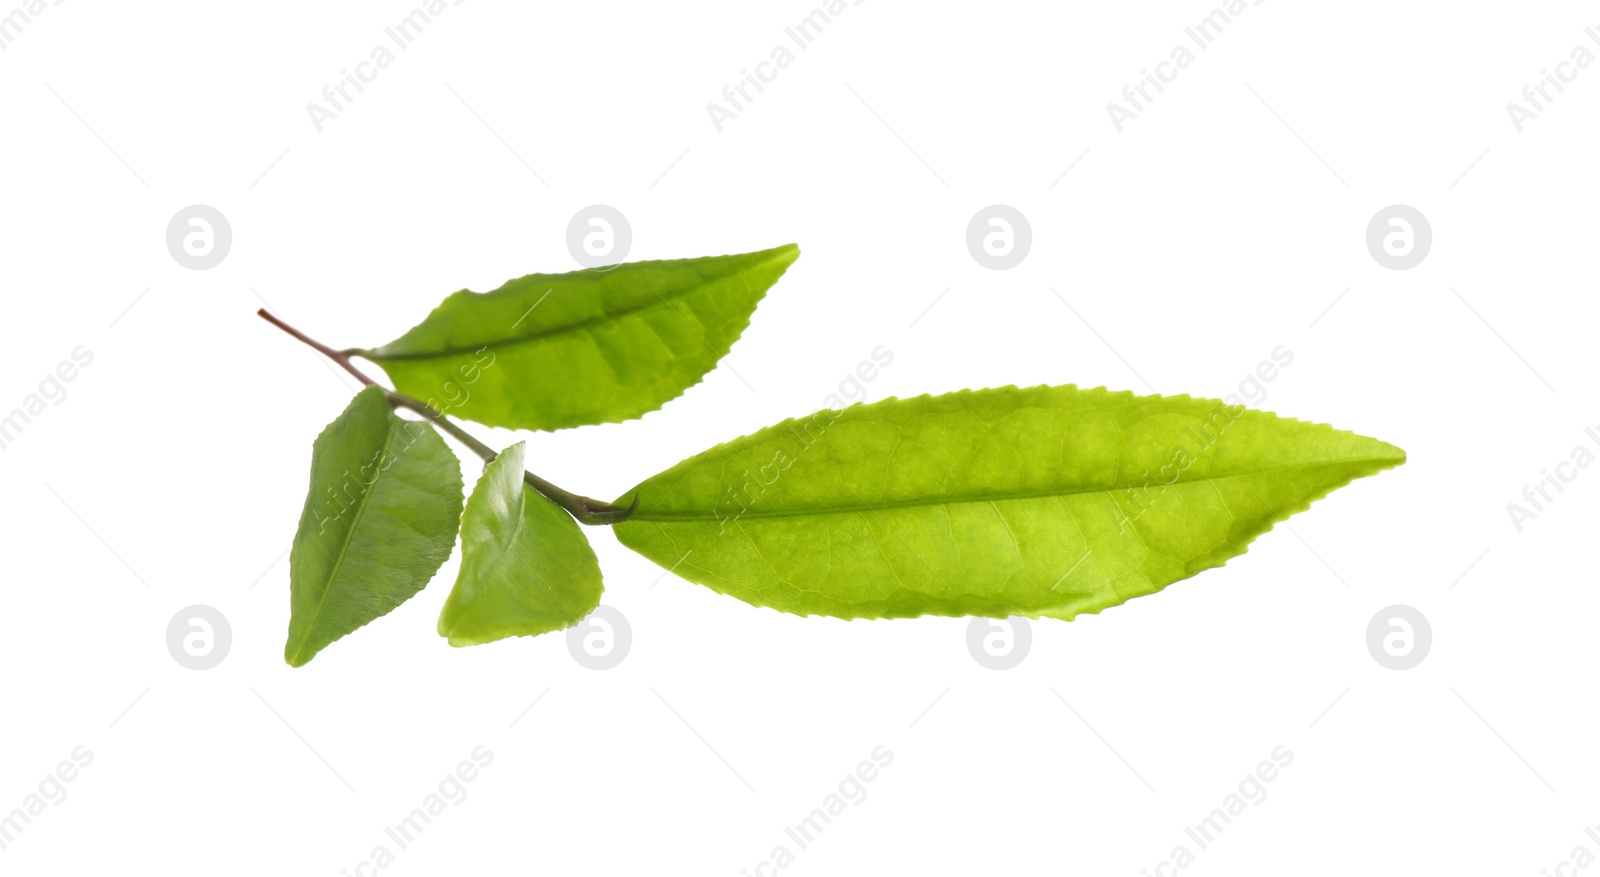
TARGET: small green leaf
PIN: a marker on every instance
(526, 568)
(1047, 501)
(549, 351)
(380, 519)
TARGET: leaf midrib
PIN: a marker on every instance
(580, 326)
(349, 538)
(644, 514)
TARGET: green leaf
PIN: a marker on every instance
(380, 519)
(1041, 501)
(526, 568)
(549, 351)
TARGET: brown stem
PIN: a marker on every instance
(586, 509)
(338, 356)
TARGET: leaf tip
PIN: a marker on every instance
(784, 255)
(1385, 456)
(295, 657)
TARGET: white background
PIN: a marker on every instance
(1174, 257)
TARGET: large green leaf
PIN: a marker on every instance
(549, 351)
(379, 521)
(526, 568)
(1041, 501)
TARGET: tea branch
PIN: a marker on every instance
(586, 509)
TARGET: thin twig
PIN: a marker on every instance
(586, 509)
(342, 359)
